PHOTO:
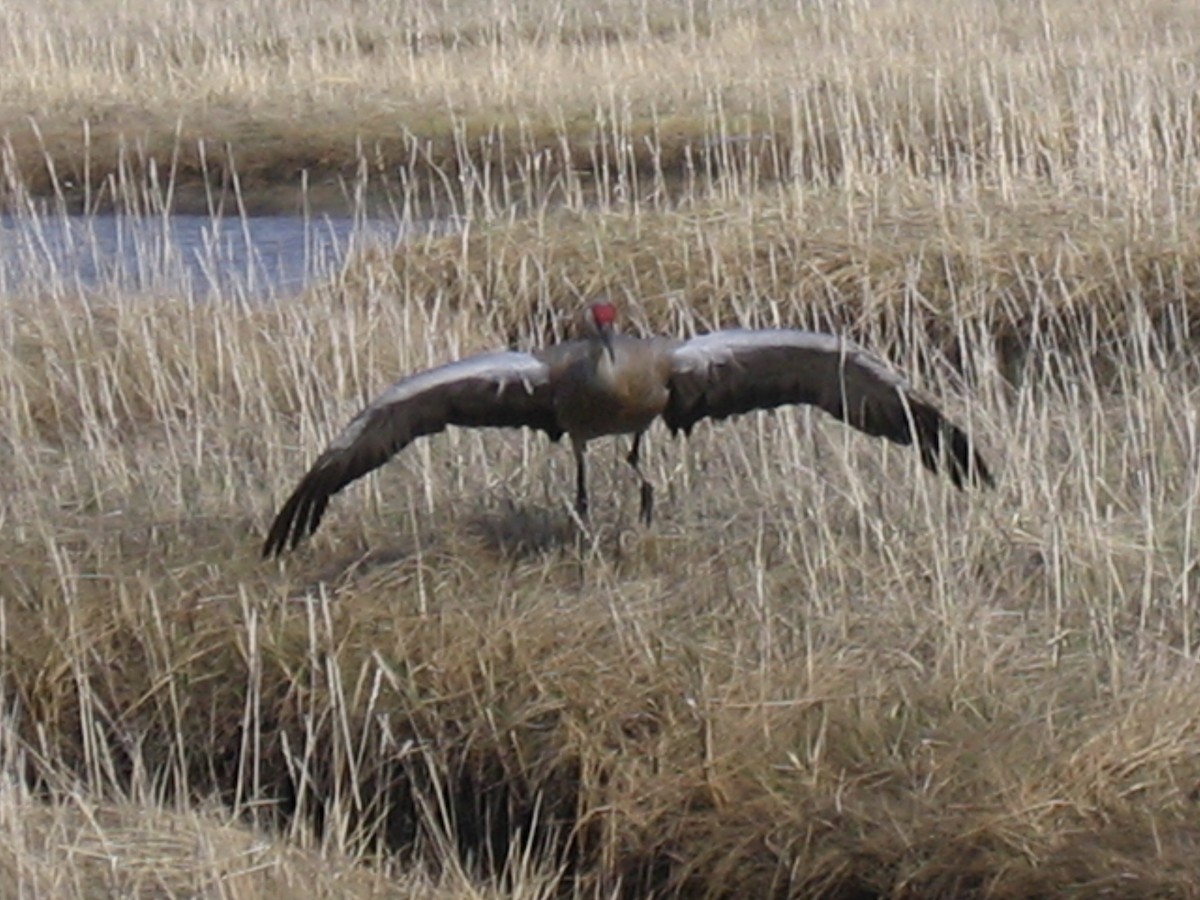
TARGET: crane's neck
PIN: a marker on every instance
(602, 353)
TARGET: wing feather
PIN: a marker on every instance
(506, 389)
(729, 372)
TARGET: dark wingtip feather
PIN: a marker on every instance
(281, 529)
(300, 515)
(943, 445)
(964, 464)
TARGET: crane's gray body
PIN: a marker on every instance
(612, 384)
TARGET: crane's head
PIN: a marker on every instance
(600, 321)
(602, 316)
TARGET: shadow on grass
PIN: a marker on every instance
(521, 531)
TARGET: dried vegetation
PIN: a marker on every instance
(822, 673)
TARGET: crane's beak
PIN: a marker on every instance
(606, 338)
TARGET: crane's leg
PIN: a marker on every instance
(646, 510)
(581, 497)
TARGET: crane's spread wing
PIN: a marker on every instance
(729, 372)
(492, 389)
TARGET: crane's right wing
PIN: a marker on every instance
(506, 389)
(735, 371)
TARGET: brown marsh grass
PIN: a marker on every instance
(821, 672)
(521, 102)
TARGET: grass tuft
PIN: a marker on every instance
(822, 673)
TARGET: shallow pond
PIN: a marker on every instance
(254, 257)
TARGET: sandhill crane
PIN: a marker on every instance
(607, 383)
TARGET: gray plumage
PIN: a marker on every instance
(608, 383)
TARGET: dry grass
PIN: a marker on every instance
(79, 848)
(821, 672)
(544, 99)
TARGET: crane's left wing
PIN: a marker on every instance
(735, 371)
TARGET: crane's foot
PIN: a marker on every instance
(646, 511)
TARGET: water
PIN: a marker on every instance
(194, 256)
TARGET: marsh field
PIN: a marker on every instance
(821, 672)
